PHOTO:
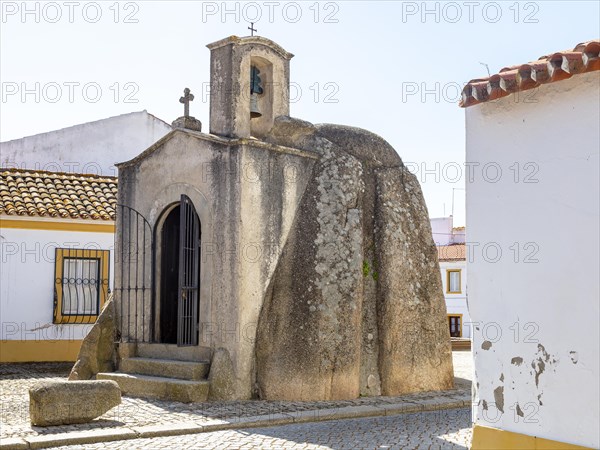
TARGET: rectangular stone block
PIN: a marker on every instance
(68, 402)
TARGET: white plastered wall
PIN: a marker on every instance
(27, 281)
(92, 147)
(536, 347)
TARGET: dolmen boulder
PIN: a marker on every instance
(67, 402)
(355, 306)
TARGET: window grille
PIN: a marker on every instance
(81, 284)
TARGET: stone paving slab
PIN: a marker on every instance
(137, 417)
(14, 443)
(150, 431)
(79, 437)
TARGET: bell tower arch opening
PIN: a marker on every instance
(261, 104)
(238, 65)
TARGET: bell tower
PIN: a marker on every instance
(249, 86)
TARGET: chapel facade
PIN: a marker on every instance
(273, 258)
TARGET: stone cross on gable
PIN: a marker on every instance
(186, 99)
(252, 29)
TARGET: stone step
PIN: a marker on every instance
(169, 368)
(461, 344)
(172, 351)
(161, 388)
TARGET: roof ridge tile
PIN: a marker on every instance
(585, 57)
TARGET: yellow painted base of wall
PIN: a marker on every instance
(486, 438)
(39, 351)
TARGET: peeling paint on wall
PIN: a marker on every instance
(499, 398)
(574, 357)
(519, 411)
(539, 364)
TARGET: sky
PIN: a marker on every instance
(394, 68)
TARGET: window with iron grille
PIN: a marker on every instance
(80, 285)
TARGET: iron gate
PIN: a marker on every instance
(189, 274)
(133, 276)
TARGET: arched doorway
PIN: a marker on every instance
(180, 244)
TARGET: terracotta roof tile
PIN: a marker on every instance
(454, 252)
(585, 57)
(52, 194)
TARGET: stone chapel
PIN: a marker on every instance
(269, 257)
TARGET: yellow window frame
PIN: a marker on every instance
(103, 257)
(448, 272)
(460, 321)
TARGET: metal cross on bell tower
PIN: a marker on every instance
(186, 99)
(252, 29)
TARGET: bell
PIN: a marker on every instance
(254, 111)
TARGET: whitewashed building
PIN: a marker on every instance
(453, 267)
(445, 233)
(57, 206)
(93, 147)
(450, 242)
(534, 284)
(56, 245)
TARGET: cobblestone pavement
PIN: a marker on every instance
(16, 379)
(449, 429)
